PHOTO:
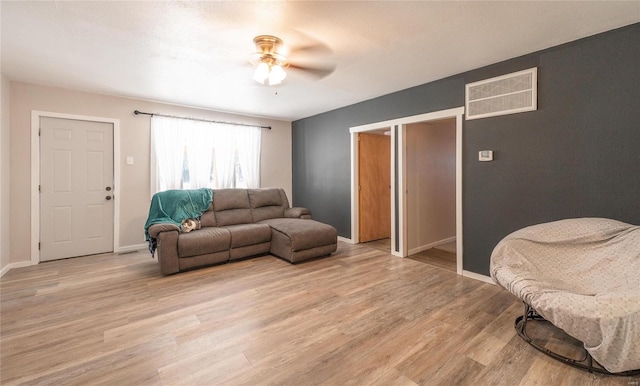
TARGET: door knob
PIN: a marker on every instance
(108, 188)
(108, 198)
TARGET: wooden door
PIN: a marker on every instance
(76, 188)
(374, 176)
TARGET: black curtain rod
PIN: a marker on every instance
(137, 112)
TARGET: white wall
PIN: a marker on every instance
(431, 183)
(134, 141)
(5, 146)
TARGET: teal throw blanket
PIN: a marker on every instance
(174, 206)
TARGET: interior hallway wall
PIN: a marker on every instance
(431, 183)
(134, 197)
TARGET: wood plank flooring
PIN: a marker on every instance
(359, 317)
(445, 259)
(437, 257)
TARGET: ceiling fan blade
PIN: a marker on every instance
(318, 72)
(311, 49)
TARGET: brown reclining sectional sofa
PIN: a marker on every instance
(243, 223)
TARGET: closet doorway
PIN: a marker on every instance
(401, 221)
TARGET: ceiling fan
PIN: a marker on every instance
(270, 61)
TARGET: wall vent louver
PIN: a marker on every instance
(507, 94)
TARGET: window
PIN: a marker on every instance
(191, 154)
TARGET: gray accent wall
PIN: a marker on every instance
(578, 155)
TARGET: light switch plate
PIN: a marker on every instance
(129, 160)
(485, 155)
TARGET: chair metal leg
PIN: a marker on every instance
(587, 363)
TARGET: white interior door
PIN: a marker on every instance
(76, 188)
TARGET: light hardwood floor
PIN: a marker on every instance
(359, 317)
(445, 259)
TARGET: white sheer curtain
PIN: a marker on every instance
(200, 143)
(249, 154)
(225, 156)
(167, 144)
(211, 150)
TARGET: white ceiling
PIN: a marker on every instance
(196, 53)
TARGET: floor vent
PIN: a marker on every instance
(507, 94)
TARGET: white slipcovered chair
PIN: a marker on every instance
(583, 276)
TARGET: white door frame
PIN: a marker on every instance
(398, 183)
(35, 176)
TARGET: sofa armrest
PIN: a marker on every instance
(155, 229)
(168, 252)
(297, 213)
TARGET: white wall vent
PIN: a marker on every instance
(507, 94)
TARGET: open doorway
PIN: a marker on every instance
(430, 152)
(400, 185)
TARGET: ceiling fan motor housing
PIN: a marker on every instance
(267, 47)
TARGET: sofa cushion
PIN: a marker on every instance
(233, 217)
(208, 219)
(203, 241)
(267, 212)
(266, 204)
(264, 197)
(224, 199)
(248, 234)
(231, 206)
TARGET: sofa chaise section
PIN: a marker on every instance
(296, 240)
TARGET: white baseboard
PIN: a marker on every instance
(14, 265)
(126, 249)
(346, 240)
(431, 245)
(477, 276)
(132, 248)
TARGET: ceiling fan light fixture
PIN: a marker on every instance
(269, 63)
(269, 74)
(276, 75)
(261, 73)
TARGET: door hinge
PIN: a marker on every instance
(38, 246)
(39, 132)
(39, 188)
